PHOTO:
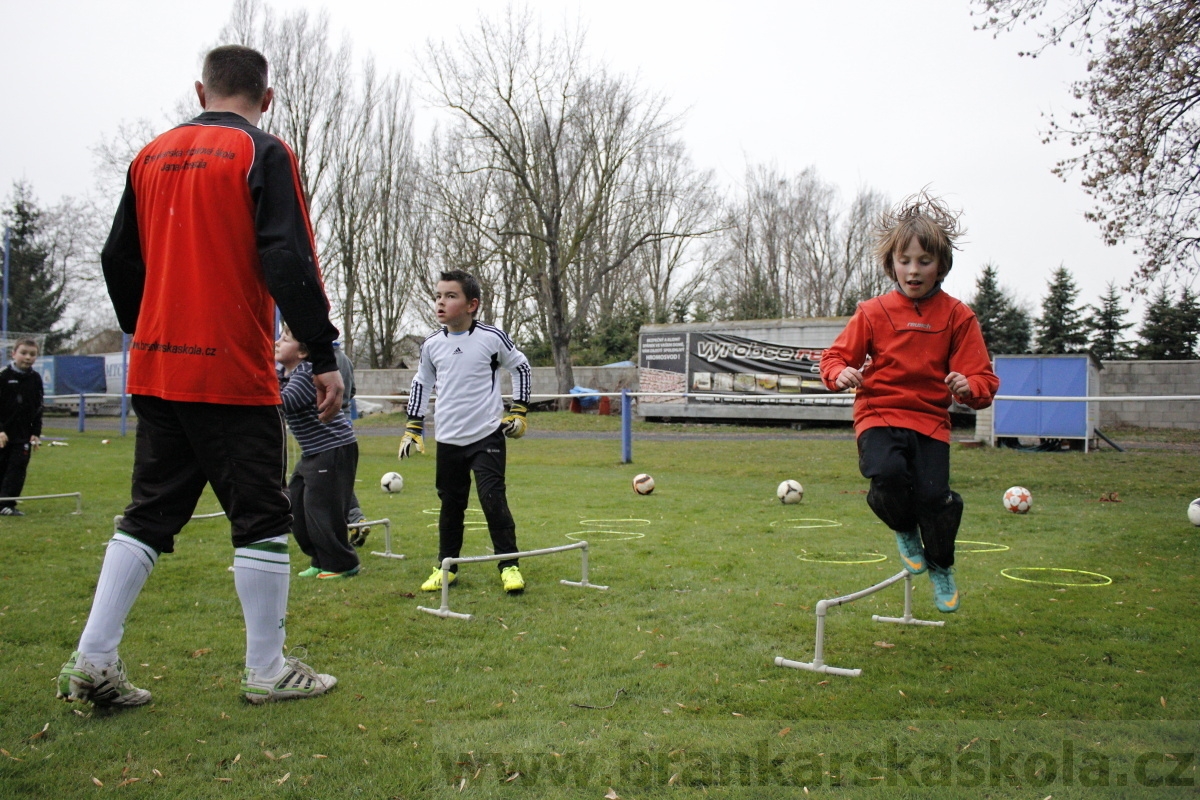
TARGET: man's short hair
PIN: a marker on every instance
(233, 70)
(26, 341)
(469, 283)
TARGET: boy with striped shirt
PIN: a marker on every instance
(322, 484)
(460, 361)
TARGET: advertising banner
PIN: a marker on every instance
(725, 364)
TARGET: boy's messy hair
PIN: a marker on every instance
(469, 283)
(935, 226)
(27, 341)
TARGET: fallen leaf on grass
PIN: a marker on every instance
(224, 780)
(127, 781)
(784, 732)
(902, 694)
(97, 781)
(914, 729)
(822, 683)
(639, 655)
(203, 651)
(661, 665)
(674, 778)
(40, 733)
(884, 644)
(157, 774)
(319, 755)
(736, 714)
(1163, 701)
(283, 780)
(362, 727)
(612, 794)
(10, 755)
(512, 777)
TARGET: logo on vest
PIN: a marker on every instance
(924, 325)
(457, 351)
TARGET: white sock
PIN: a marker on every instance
(261, 572)
(127, 564)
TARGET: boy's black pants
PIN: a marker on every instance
(14, 463)
(455, 463)
(320, 490)
(910, 487)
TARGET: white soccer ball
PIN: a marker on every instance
(790, 492)
(391, 482)
(1018, 499)
(643, 483)
(1194, 512)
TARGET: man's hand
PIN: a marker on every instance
(514, 424)
(850, 377)
(35, 442)
(3, 439)
(329, 395)
(959, 384)
(414, 438)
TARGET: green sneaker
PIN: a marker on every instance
(945, 593)
(80, 679)
(513, 582)
(912, 553)
(297, 680)
(337, 576)
(434, 582)
(311, 572)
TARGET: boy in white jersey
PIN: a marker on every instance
(459, 361)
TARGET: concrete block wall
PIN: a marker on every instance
(385, 382)
(1134, 378)
(1150, 378)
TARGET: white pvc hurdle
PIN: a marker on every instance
(77, 495)
(387, 536)
(818, 663)
(447, 563)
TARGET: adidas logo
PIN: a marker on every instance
(457, 351)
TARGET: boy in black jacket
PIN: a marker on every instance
(20, 421)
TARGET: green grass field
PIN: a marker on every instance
(1031, 690)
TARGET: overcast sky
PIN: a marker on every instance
(888, 94)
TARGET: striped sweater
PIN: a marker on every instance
(300, 407)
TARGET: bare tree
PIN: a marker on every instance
(396, 242)
(788, 250)
(1137, 137)
(562, 136)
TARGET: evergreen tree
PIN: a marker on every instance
(1061, 328)
(1169, 330)
(1107, 326)
(1006, 326)
(35, 293)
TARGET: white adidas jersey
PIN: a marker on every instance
(461, 368)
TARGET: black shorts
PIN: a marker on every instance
(181, 447)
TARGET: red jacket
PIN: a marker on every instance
(912, 346)
(211, 232)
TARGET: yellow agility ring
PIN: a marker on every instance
(985, 547)
(1102, 580)
(612, 536)
(872, 558)
(822, 523)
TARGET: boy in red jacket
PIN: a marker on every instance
(905, 353)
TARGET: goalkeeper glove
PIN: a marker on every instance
(413, 438)
(514, 423)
